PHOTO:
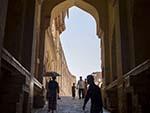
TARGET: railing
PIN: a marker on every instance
(11, 60)
(14, 63)
(134, 72)
(140, 68)
(36, 82)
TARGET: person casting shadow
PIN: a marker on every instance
(53, 88)
(73, 91)
(80, 86)
(93, 93)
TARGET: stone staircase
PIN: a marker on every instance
(11, 89)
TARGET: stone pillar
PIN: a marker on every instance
(118, 41)
(106, 70)
(130, 32)
(119, 58)
(126, 34)
(3, 14)
(106, 59)
(37, 5)
(45, 19)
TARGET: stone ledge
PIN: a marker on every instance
(14, 63)
(134, 72)
(138, 69)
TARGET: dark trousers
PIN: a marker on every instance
(81, 93)
(95, 110)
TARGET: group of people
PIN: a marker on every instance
(82, 88)
(93, 92)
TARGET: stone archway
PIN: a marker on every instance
(64, 6)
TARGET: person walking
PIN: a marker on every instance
(93, 93)
(73, 91)
(53, 88)
(85, 87)
(80, 87)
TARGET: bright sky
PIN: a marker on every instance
(80, 43)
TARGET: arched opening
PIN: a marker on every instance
(57, 26)
(80, 43)
(59, 12)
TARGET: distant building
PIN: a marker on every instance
(97, 78)
(54, 58)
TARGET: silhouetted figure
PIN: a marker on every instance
(80, 85)
(53, 88)
(93, 93)
(85, 87)
(73, 91)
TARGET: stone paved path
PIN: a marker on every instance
(68, 105)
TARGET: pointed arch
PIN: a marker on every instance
(64, 6)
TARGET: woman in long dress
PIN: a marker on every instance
(53, 88)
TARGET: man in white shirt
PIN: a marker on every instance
(80, 86)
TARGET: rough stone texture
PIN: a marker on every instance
(59, 65)
(54, 58)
